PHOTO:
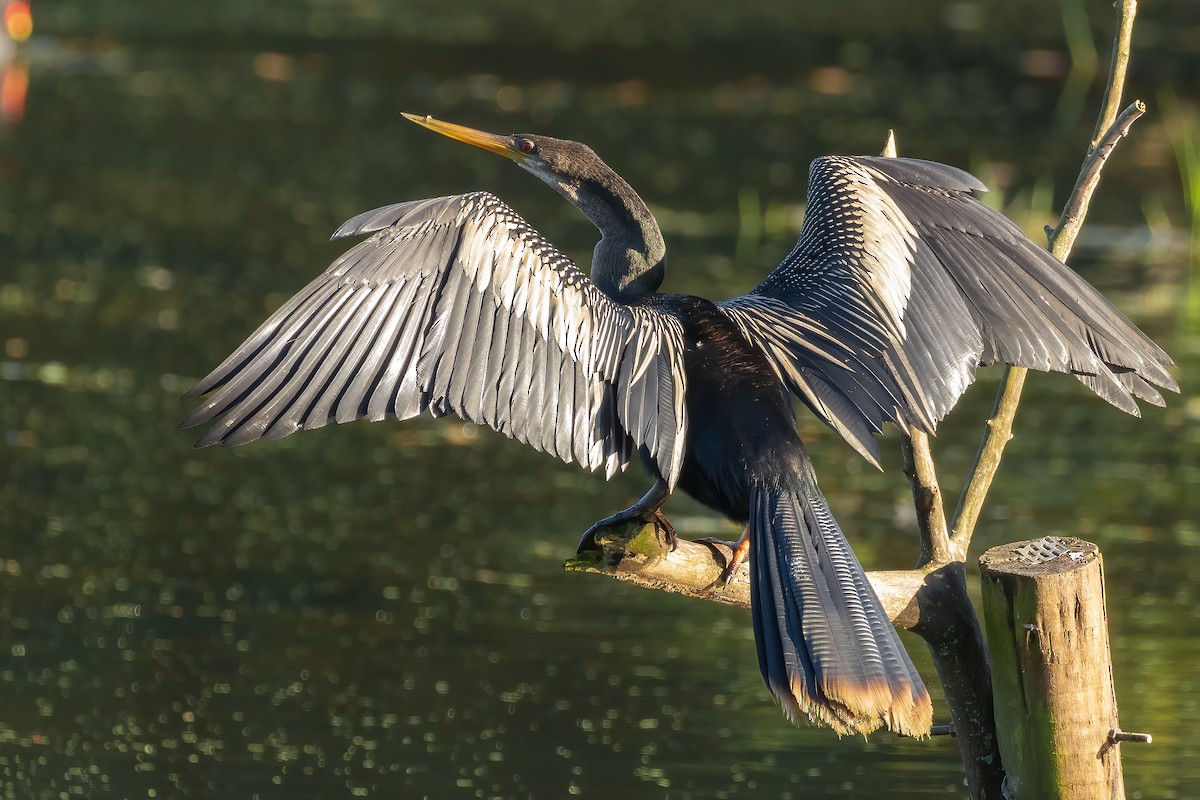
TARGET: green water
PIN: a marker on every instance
(379, 610)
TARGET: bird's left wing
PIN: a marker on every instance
(902, 283)
(456, 305)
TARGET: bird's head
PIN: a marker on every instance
(630, 258)
(563, 164)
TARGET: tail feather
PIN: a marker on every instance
(826, 647)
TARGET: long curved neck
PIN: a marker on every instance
(630, 259)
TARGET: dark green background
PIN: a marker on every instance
(378, 610)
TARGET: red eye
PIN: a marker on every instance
(525, 145)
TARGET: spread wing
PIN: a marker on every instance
(456, 305)
(902, 283)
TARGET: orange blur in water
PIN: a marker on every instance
(18, 20)
(13, 88)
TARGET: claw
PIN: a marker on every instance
(588, 540)
(668, 530)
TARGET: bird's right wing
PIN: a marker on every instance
(455, 304)
(902, 283)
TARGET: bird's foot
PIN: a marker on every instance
(653, 517)
(738, 552)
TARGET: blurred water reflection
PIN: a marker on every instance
(379, 610)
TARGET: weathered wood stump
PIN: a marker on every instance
(1047, 633)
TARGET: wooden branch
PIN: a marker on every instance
(1118, 66)
(999, 425)
(889, 146)
(946, 621)
(942, 615)
(639, 554)
(1062, 238)
(936, 545)
(987, 460)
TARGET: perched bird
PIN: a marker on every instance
(900, 285)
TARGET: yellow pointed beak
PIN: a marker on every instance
(500, 145)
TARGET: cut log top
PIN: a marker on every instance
(1050, 555)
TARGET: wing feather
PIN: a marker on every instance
(340, 386)
(290, 405)
(902, 283)
(455, 304)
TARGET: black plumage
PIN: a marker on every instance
(900, 285)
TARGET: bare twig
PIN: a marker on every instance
(1126, 11)
(936, 545)
(889, 146)
(987, 460)
(999, 425)
(1063, 237)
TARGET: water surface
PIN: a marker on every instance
(379, 610)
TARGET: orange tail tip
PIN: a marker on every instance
(861, 710)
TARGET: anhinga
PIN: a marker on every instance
(900, 285)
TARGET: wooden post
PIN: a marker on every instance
(1047, 632)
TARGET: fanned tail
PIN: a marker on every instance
(827, 650)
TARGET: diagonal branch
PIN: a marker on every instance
(1117, 68)
(1063, 237)
(936, 545)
